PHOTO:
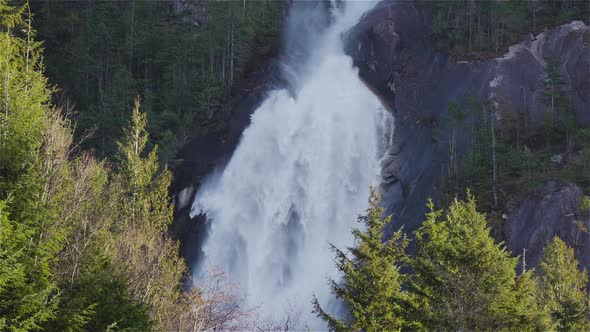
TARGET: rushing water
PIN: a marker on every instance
(298, 179)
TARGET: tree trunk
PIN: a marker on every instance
(526, 114)
(131, 36)
(231, 59)
(552, 106)
(534, 16)
(211, 61)
(6, 97)
(223, 61)
(28, 52)
(494, 168)
(470, 15)
(523, 260)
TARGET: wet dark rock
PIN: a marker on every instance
(551, 211)
(203, 154)
(390, 46)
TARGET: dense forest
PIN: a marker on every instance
(471, 29)
(183, 57)
(96, 97)
(84, 240)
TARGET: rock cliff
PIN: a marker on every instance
(553, 210)
(391, 48)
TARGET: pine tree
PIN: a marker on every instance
(371, 286)
(462, 279)
(182, 58)
(564, 287)
(142, 244)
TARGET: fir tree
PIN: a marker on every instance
(371, 286)
(27, 292)
(27, 297)
(142, 245)
(462, 279)
(564, 287)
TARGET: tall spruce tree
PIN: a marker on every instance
(27, 292)
(23, 95)
(371, 287)
(564, 287)
(141, 243)
(463, 280)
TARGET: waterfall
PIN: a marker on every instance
(298, 179)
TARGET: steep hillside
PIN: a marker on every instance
(535, 97)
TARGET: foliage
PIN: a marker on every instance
(27, 293)
(564, 287)
(141, 244)
(371, 290)
(183, 58)
(478, 29)
(23, 96)
(460, 279)
(463, 280)
(27, 296)
(84, 244)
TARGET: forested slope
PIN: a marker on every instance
(472, 30)
(183, 57)
(84, 241)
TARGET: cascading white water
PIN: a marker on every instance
(297, 181)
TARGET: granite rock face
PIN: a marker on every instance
(391, 48)
(551, 211)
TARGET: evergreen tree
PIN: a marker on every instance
(371, 286)
(27, 297)
(564, 287)
(480, 29)
(530, 314)
(23, 96)
(141, 244)
(27, 292)
(462, 279)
